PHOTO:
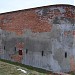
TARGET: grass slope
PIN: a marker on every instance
(10, 68)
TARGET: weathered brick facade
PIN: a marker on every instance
(41, 37)
(19, 21)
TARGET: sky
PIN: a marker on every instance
(14, 5)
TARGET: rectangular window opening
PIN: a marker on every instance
(20, 52)
(4, 47)
(26, 51)
(65, 54)
(15, 48)
(42, 53)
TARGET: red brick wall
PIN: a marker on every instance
(20, 21)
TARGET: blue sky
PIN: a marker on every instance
(13, 5)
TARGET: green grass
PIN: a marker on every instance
(72, 73)
(26, 66)
(10, 68)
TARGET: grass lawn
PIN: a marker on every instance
(11, 69)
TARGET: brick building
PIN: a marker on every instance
(41, 37)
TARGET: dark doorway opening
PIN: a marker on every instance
(20, 52)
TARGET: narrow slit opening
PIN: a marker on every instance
(65, 54)
(26, 51)
(42, 53)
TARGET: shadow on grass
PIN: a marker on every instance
(27, 66)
